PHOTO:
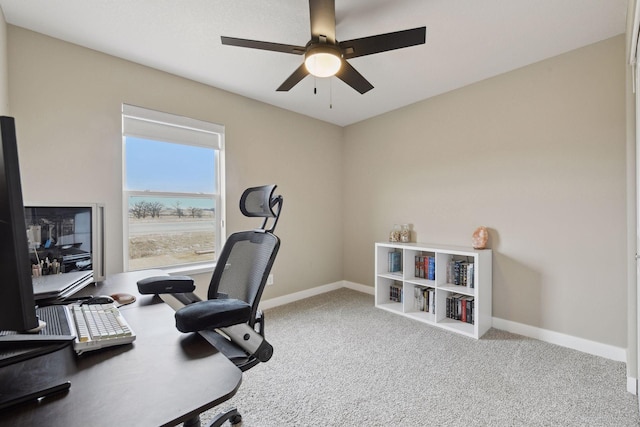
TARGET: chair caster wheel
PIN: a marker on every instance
(236, 420)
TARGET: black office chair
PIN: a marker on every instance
(230, 319)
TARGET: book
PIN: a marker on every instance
(395, 262)
(418, 296)
(395, 292)
(431, 268)
(456, 306)
(425, 267)
(467, 310)
(469, 314)
(432, 300)
(460, 273)
(424, 299)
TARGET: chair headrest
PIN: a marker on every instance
(260, 202)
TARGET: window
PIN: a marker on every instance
(173, 190)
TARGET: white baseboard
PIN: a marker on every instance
(632, 385)
(586, 346)
(591, 347)
(296, 296)
(358, 287)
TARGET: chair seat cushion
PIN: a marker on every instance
(211, 314)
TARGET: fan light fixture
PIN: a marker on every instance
(323, 61)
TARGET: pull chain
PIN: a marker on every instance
(330, 93)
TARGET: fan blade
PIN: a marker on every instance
(299, 74)
(256, 44)
(353, 78)
(323, 20)
(383, 42)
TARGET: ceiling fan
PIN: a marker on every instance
(325, 56)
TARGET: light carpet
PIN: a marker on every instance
(339, 361)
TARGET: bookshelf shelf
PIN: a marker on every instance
(421, 315)
(458, 289)
(392, 276)
(444, 286)
(393, 306)
(421, 282)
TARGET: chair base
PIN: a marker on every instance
(232, 415)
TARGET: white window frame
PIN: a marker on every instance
(158, 126)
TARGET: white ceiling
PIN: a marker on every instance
(467, 41)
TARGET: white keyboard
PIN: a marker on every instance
(99, 326)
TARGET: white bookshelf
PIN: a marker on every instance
(440, 285)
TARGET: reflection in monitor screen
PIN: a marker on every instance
(65, 238)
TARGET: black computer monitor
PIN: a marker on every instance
(17, 306)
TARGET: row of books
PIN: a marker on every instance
(424, 299)
(395, 292)
(460, 273)
(395, 261)
(425, 267)
(460, 307)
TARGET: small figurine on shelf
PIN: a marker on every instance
(394, 235)
(480, 237)
(405, 233)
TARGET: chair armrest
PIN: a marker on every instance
(166, 285)
(212, 314)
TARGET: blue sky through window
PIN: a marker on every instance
(167, 167)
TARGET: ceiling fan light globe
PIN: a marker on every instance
(322, 64)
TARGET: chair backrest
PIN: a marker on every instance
(246, 259)
(243, 267)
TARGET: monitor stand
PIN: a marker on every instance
(18, 347)
(50, 335)
(23, 380)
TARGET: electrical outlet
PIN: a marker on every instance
(270, 279)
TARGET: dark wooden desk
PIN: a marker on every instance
(163, 378)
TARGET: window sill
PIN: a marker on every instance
(190, 269)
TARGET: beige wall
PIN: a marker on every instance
(67, 103)
(4, 84)
(538, 156)
(632, 276)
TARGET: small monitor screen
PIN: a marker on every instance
(59, 239)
